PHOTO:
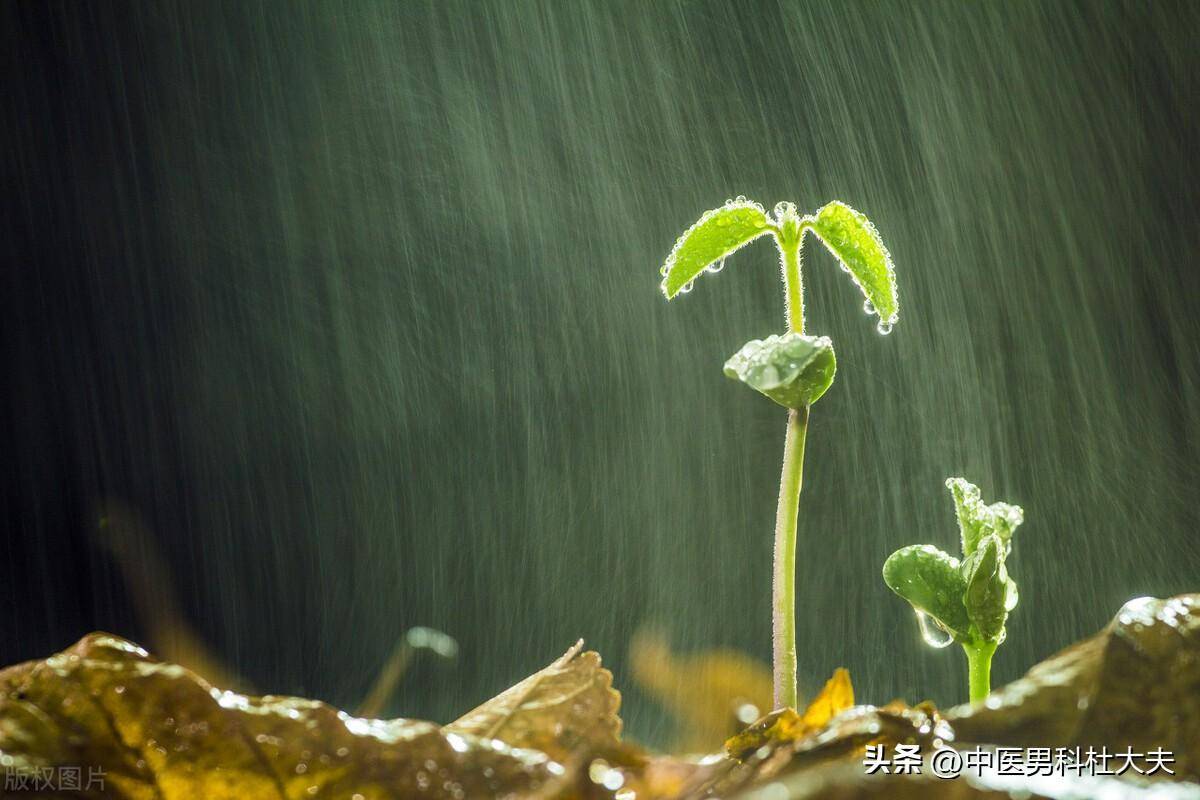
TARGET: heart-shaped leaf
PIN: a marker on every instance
(932, 582)
(853, 240)
(793, 370)
(716, 235)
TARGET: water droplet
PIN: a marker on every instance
(716, 266)
(598, 770)
(741, 198)
(747, 713)
(687, 287)
(933, 634)
(868, 307)
(884, 327)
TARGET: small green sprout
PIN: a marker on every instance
(968, 601)
(792, 369)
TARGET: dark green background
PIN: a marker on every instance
(356, 303)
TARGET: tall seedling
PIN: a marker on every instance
(792, 369)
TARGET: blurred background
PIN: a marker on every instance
(325, 320)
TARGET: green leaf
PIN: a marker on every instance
(977, 520)
(932, 582)
(854, 242)
(716, 235)
(987, 587)
(793, 370)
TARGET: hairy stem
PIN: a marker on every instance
(793, 282)
(979, 669)
(790, 481)
(784, 600)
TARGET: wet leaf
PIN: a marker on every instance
(793, 370)
(840, 741)
(567, 706)
(160, 732)
(977, 519)
(987, 587)
(853, 240)
(932, 582)
(1135, 684)
(785, 725)
(716, 235)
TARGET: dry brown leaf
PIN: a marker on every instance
(783, 746)
(785, 725)
(568, 706)
(159, 732)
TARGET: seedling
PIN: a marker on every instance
(792, 369)
(963, 601)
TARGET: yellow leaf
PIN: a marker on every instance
(785, 725)
(568, 705)
(160, 732)
(836, 696)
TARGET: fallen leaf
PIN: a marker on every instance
(835, 697)
(568, 706)
(785, 725)
(1135, 684)
(160, 732)
(782, 745)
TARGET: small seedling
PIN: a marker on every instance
(792, 369)
(963, 601)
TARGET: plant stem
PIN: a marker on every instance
(979, 669)
(784, 600)
(793, 283)
(790, 481)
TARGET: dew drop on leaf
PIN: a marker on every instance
(868, 307)
(933, 634)
(716, 266)
(884, 327)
